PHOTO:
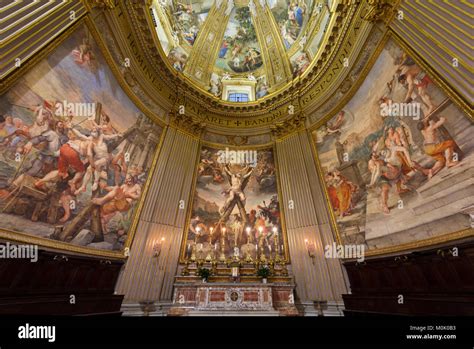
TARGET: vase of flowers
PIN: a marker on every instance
(204, 274)
(264, 273)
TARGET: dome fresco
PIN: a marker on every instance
(189, 18)
(291, 17)
(286, 31)
(240, 51)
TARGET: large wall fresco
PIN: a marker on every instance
(398, 159)
(75, 150)
(236, 209)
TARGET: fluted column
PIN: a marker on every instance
(318, 278)
(148, 278)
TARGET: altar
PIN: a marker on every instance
(252, 298)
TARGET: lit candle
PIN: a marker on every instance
(198, 229)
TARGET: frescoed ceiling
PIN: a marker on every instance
(268, 42)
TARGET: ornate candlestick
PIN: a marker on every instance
(249, 240)
(222, 257)
(185, 271)
(263, 258)
(193, 253)
(277, 244)
(209, 252)
(248, 258)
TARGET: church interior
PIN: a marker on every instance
(210, 158)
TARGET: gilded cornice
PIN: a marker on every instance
(281, 129)
(380, 10)
(102, 4)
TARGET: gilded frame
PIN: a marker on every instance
(266, 146)
(457, 235)
(61, 246)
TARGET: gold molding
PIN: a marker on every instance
(380, 10)
(102, 4)
(202, 144)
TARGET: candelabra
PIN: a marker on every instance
(210, 235)
(284, 271)
(208, 256)
(271, 265)
(248, 258)
(277, 245)
(222, 256)
(209, 252)
(185, 271)
(214, 267)
(263, 258)
(193, 253)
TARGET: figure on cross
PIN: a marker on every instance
(238, 181)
